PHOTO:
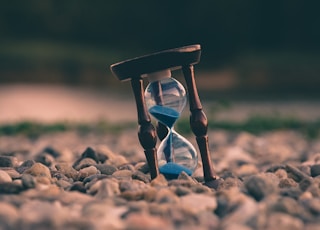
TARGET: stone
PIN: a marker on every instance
(246, 170)
(51, 151)
(107, 188)
(127, 167)
(4, 177)
(122, 174)
(182, 191)
(45, 159)
(67, 170)
(133, 190)
(78, 186)
(104, 215)
(281, 174)
(88, 171)
(88, 153)
(25, 165)
(315, 170)
(259, 186)
(63, 184)
(304, 184)
(165, 195)
(117, 161)
(284, 222)
(159, 181)
(10, 188)
(138, 175)
(196, 203)
(104, 152)
(8, 216)
(28, 181)
(11, 172)
(6, 161)
(143, 167)
(39, 215)
(229, 183)
(85, 162)
(313, 205)
(296, 173)
(106, 169)
(287, 183)
(289, 206)
(38, 170)
(74, 198)
(146, 221)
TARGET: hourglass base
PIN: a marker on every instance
(172, 170)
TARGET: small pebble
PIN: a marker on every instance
(123, 174)
(88, 171)
(315, 170)
(260, 186)
(4, 177)
(28, 181)
(38, 170)
(141, 176)
(67, 170)
(106, 169)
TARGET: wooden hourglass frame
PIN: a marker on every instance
(134, 70)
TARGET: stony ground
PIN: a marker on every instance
(72, 181)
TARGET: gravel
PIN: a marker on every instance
(94, 181)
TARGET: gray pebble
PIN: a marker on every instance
(182, 191)
(106, 169)
(296, 173)
(25, 165)
(45, 158)
(315, 170)
(259, 186)
(138, 175)
(10, 188)
(127, 167)
(28, 181)
(85, 162)
(78, 186)
(6, 161)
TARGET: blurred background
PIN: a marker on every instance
(251, 50)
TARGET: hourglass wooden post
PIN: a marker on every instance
(147, 134)
(199, 125)
(137, 68)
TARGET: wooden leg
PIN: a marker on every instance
(199, 126)
(147, 133)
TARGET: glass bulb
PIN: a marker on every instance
(166, 98)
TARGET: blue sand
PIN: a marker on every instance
(172, 170)
(165, 115)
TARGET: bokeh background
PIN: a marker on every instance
(251, 49)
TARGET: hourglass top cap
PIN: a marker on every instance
(167, 59)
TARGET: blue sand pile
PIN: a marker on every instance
(172, 170)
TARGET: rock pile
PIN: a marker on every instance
(270, 181)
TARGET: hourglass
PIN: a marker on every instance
(164, 99)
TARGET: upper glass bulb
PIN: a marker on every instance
(165, 95)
